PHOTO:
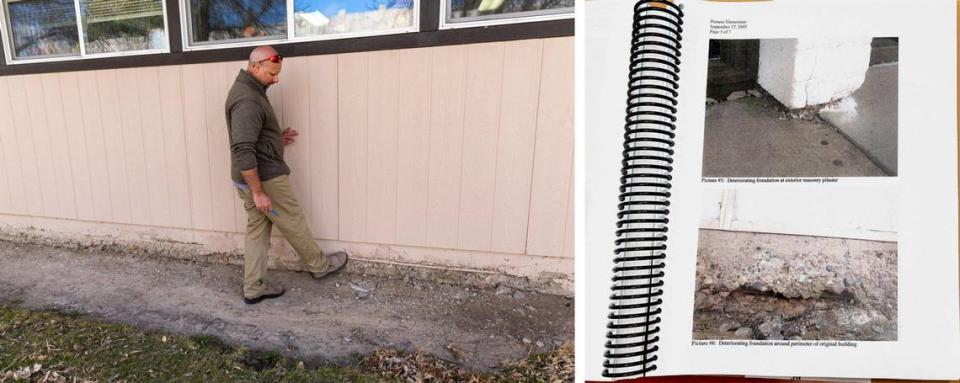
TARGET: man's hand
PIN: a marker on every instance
(263, 203)
(289, 135)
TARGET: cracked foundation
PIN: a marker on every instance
(775, 286)
(481, 270)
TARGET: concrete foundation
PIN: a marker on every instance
(801, 287)
(481, 269)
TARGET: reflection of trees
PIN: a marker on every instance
(512, 5)
(264, 17)
(137, 27)
(122, 35)
(388, 4)
(120, 25)
(53, 34)
(470, 4)
(49, 27)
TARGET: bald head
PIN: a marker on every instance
(261, 53)
(266, 71)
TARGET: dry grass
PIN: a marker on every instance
(556, 366)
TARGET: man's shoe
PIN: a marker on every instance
(336, 261)
(270, 292)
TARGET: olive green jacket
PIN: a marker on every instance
(256, 139)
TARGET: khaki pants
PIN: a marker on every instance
(288, 217)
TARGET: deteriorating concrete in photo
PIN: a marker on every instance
(774, 286)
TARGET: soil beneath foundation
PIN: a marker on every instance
(747, 314)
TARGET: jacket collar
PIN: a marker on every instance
(248, 79)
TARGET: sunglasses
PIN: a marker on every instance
(276, 59)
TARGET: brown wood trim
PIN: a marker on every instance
(430, 15)
(173, 26)
(508, 32)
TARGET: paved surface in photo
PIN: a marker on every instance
(748, 137)
(317, 321)
(869, 117)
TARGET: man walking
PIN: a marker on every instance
(260, 175)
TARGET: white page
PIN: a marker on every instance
(927, 344)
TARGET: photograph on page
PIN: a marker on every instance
(797, 264)
(801, 107)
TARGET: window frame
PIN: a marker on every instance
(428, 35)
(444, 25)
(290, 38)
(6, 34)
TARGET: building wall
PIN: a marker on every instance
(460, 156)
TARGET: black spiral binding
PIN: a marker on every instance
(644, 189)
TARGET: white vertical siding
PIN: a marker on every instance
(446, 145)
(481, 126)
(324, 145)
(515, 145)
(413, 145)
(464, 147)
(353, 146)
(383, 74)
(553, 151)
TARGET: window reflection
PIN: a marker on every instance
(323, 17)
(123, 25)
(43, 28)
(473, 10)
(217, 20)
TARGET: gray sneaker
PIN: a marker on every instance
(335, 262)
(270, 291)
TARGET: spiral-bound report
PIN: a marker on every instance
(771, 189)
(644, 188)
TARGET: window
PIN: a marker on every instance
(237, 21)
(45, 29)
(473, 12)
(226, 20)
(123, 25)
(325, 17)
(56, 30)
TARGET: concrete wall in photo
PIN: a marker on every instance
(813, 71)
(456, 156)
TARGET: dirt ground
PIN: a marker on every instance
(748, 314)
(322, 321)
